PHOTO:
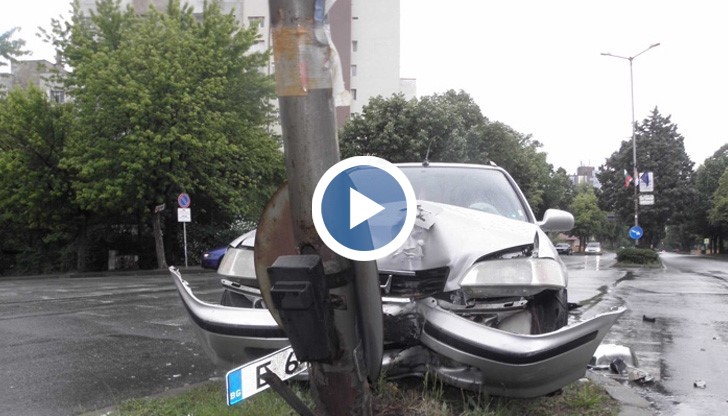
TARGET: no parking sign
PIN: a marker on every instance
(184, 200)
(184, 215)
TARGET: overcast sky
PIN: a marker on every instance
(536, 65)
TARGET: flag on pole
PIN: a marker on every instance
(627, 179)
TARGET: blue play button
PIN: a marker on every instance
(364, 208)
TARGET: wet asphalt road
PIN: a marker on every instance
(69, 346)
(72, 345)
(688, 340)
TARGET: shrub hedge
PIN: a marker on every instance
(637, 255)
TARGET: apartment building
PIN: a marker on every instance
(39, 72)
(587, 175)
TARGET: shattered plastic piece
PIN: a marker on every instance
(700, 384)
(618, 366)
(640, 376)
(606, 353)
(619, 360)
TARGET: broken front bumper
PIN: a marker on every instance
(510, 364)
(462, 352)
(230, 336)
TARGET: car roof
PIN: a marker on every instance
(448, 165)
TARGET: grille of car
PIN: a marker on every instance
(418, 284)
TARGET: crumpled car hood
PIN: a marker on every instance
(446, 235)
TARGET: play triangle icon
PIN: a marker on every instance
(361, 208)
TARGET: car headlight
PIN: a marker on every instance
(513, 277)
(206, 255)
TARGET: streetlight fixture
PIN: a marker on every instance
(634, 143)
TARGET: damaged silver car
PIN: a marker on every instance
(477, 295)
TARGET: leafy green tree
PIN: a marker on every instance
(661, 150)
(559, 191)
(36, 209)
(166, 103)
(385, 128)
(718, 214)
(401, 130)
(450, 127)
(589, 220)
(10, 48)
(707, 178)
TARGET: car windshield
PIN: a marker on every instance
(486, 190)
(593, 245)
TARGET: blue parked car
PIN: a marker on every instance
(211, 258)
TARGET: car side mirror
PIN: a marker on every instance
(556, 220)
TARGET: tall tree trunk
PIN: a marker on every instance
(82, 247)
(159, 241)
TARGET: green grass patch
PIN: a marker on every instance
(410, 397)
(433, 398)
(209, 400)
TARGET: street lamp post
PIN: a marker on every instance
(634, 143)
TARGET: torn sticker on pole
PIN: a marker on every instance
(306, 58)
(342, 98)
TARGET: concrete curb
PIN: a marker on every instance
(631, 403)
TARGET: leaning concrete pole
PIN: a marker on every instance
(307, 114)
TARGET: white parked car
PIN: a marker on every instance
(477, 294)
(593, 247)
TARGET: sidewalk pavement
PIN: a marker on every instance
(721, 257)
(630, 403)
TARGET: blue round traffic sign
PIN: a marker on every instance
(636, 232)
(364, 208)
(183, 200)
